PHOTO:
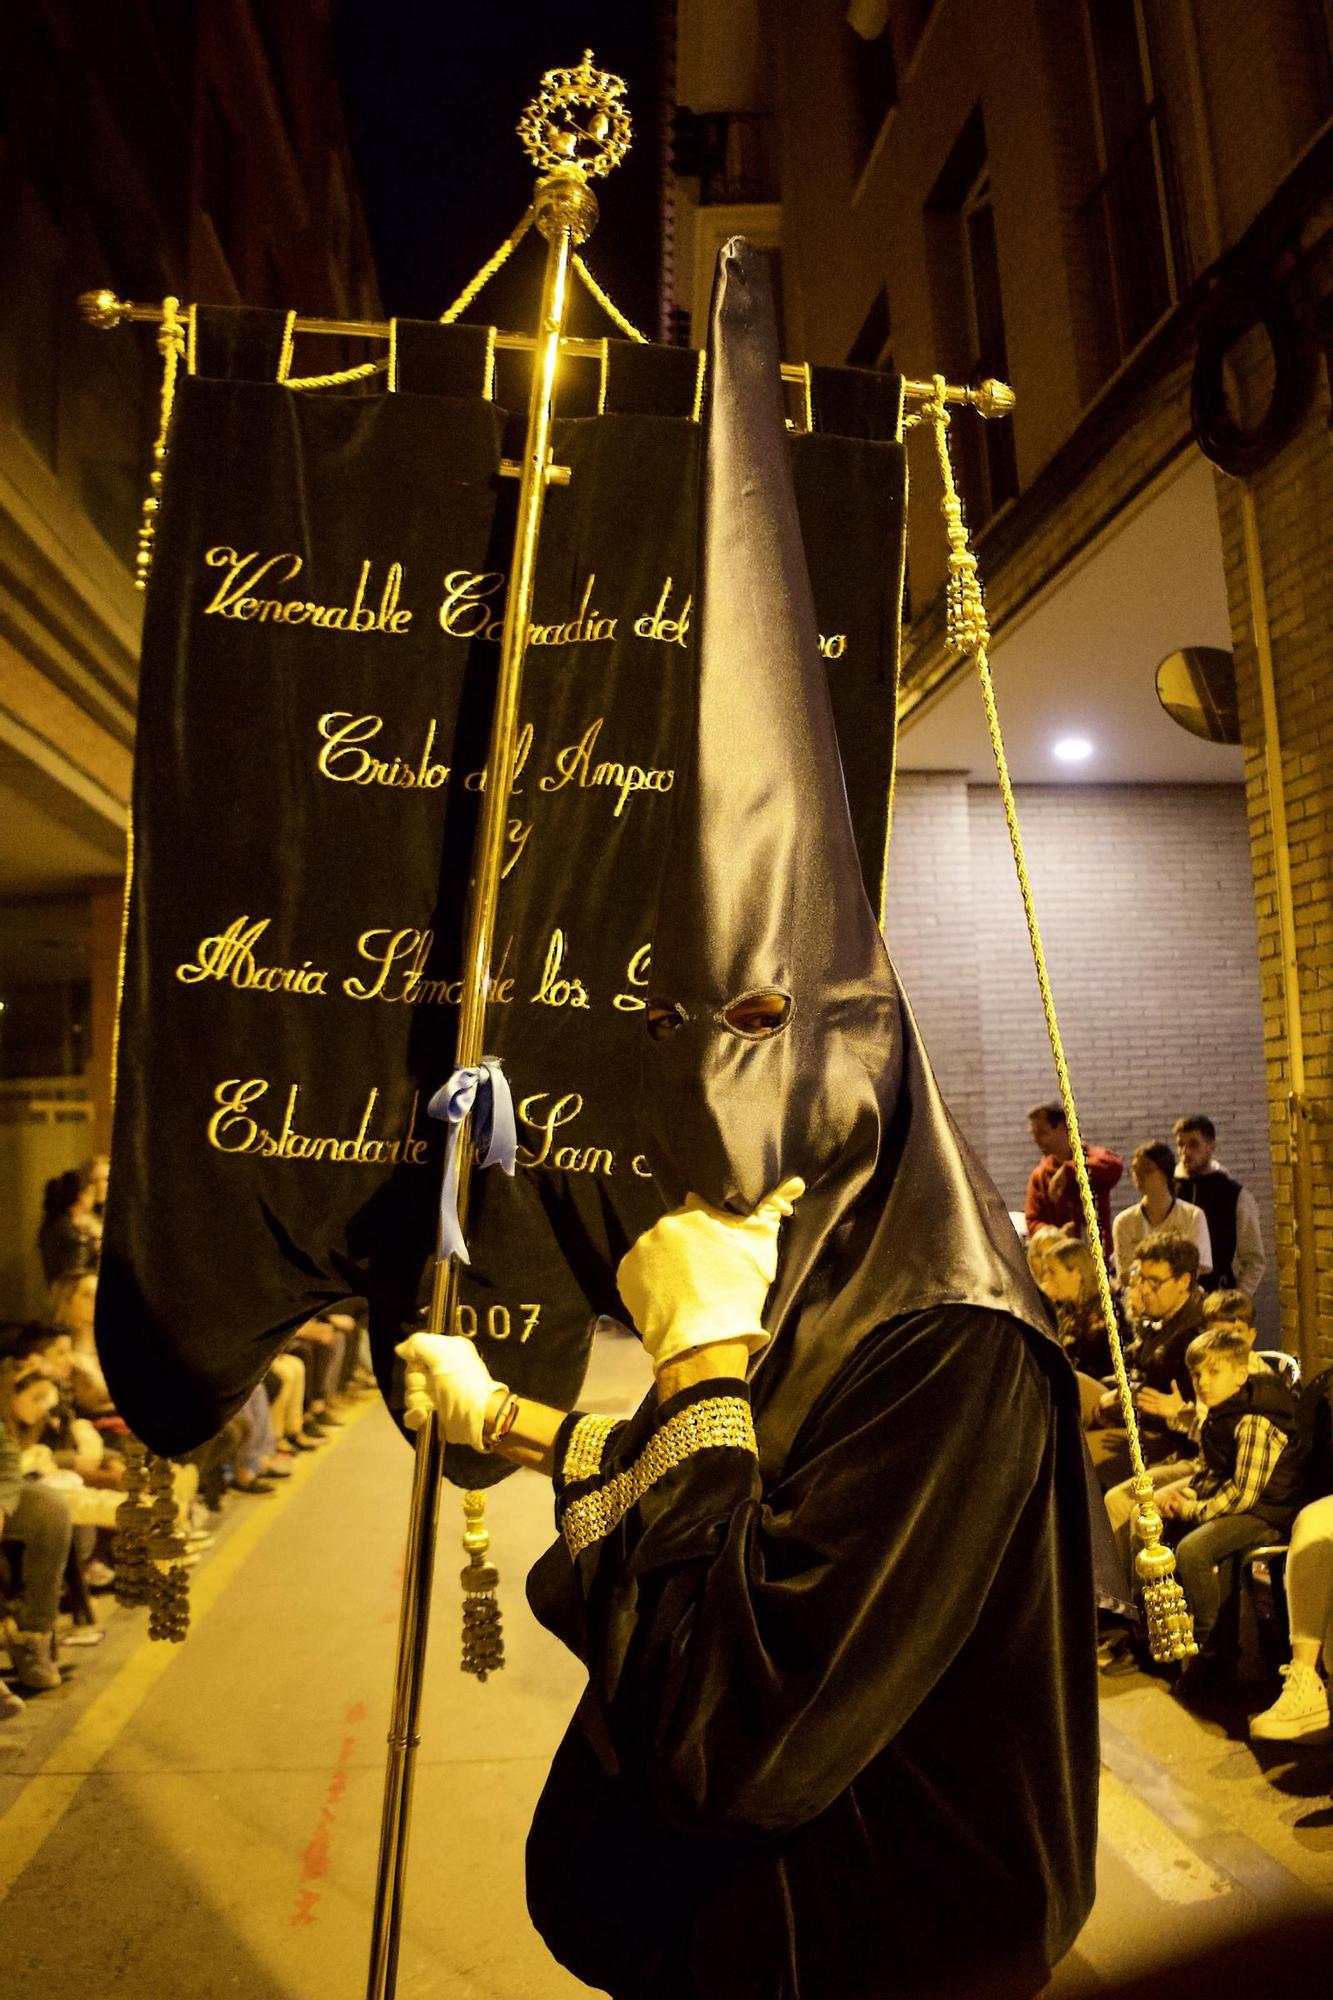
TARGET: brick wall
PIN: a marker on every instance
(1294, 503)
(931, 926)
(1145, 899)
(1243, 90)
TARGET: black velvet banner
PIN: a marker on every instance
(319, 662)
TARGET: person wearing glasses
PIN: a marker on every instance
(1170, 1313)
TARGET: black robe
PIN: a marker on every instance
(839, 1737)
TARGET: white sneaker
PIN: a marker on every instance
(1300, 1710)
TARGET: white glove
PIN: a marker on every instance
(448, 1378)
(702, 1274)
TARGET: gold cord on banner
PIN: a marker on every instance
(1170, 1626)
(488, 270)
(361, 373)
(171, 346)
(607, 303)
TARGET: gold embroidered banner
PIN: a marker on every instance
(319, 659)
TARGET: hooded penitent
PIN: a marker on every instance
(827, 1688)
(779, 1039)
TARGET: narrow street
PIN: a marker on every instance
(203, 1820)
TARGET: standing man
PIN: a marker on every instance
(1233, 1214)
(1052, 1194)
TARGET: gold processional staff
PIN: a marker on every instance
(576, 130)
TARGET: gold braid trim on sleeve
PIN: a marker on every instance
(587, 1442)
(718, 1420)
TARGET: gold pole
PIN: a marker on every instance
(565, 214)
(1298, 1108)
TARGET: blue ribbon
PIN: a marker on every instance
(495, 1135)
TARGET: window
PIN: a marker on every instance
(993, 477)
(1130, 216)
(871, 74)
(732, 154)
(739, 158)
(969, 315)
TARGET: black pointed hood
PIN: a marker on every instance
(780, 1041)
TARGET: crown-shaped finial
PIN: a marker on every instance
(578, 122)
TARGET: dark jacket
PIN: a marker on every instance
(1082, 1334)
(1159, 1363)
(1217, 1195)
(839, 1738)
(65, 1250)
(1260, 1396)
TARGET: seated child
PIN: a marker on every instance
(1235, 1311)
(1246, 1483)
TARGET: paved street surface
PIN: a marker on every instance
(202, 1820)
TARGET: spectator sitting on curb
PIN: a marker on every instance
(38, 1518)
(1245, 1487)
(1171, 1314)
(1235, 1312)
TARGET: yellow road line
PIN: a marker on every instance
(50, 1791)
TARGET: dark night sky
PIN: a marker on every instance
(432, 93)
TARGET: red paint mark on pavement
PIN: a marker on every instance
(315, 1858)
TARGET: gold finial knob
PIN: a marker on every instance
(101, 308)
(993, 399)
(578, 122)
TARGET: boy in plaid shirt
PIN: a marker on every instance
(1247, 1485)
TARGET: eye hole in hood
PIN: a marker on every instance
(663, 1019)
(756, 1016)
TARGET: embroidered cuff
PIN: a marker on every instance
(581, 1447)
(707, 1423)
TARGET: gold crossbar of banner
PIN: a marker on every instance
(104, 309)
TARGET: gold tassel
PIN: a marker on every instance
(134, 1521)
(169, 1580)
(1170, 1626)
(483, 1638)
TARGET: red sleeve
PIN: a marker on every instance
(1034, 1205)
(1104, 1167)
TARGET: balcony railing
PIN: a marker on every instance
(733, 154)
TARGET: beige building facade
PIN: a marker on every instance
(191, 150)
(1083, 197)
